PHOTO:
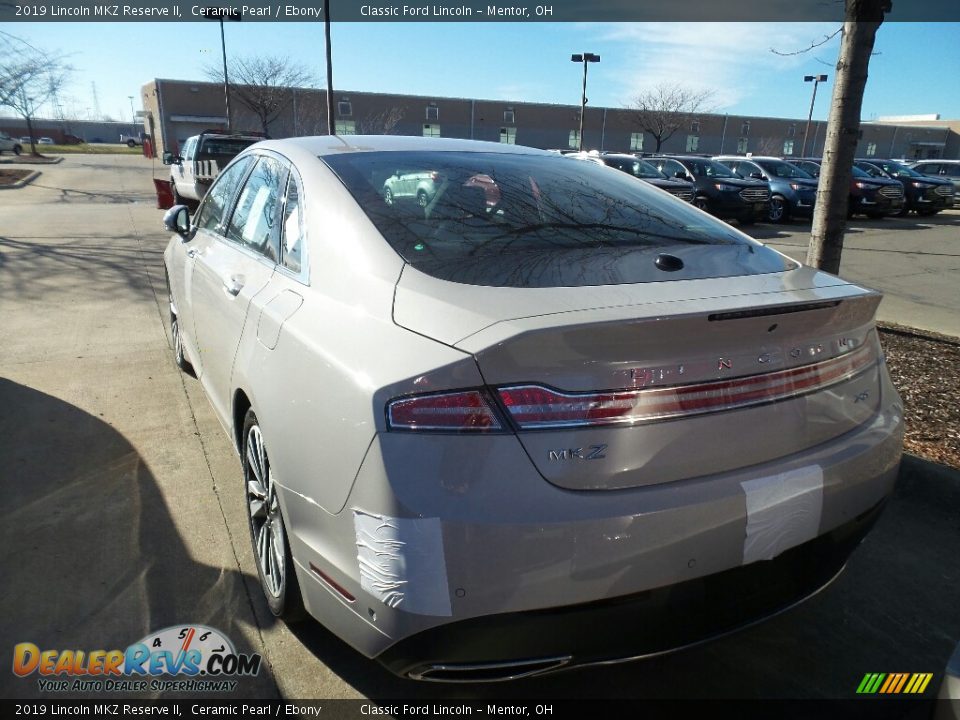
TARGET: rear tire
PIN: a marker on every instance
(131, 143)
(701, 203)
(422, 198)
(271, 551)
(17, 149)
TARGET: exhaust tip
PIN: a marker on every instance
(488, 672)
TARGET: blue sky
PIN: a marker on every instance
(913, 72)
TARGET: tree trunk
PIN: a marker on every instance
(659, 142)
(863, 18)
(33, 142)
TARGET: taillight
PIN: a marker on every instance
(451, 412)
(535, 406)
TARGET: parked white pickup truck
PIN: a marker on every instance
(204, 156)
(132, 140)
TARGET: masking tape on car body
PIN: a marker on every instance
(402, 562)
(783, 511)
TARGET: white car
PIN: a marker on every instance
(9, 144)
(553, 417)
(204, 156)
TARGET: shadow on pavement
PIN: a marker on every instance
(893, 609)
(34, 267)
(91, 558)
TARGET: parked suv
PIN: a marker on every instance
(870, 196)
(924, 194)
(792, 191)
(204, 156)
(719, 190)
(8, 144)
(946, 169)
(642, 170)
(406, 185)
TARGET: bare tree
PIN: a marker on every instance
(263, 84)
(862, 19)
(382, 123)
(29, 78)
(769, 146)
(664, 109)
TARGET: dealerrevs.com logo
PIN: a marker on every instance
(201, 659)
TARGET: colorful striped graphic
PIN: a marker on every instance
(894, 683)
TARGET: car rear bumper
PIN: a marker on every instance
(631, 627)
(475, 540)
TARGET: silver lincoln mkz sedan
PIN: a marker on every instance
(551, 417)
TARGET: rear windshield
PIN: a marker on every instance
(513, 220)
(222, 149)
(637, 168)
(781, 169)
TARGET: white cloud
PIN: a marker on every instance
(734, 60)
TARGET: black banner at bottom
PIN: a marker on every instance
(641, 709)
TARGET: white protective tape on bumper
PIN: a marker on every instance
(783, 511)
(402, 563)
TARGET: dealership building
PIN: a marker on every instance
(173, 110)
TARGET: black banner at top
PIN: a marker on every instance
(464, 11)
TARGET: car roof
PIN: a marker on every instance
(338, 144)
(750, 157)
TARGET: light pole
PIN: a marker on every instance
(218, 13)
(331, 124)
(584, 58)
(816, 80)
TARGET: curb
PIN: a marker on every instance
(46, 160)
(20, 183)
(914, 466)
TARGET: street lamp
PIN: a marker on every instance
(218, 13)
(584, 58)
(816, 80)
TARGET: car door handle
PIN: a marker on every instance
(234, 285)
(192, 252)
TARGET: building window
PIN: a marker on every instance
(788, 147)
(432, 130)
(871, 149)
(745, 128)
(344, 108)
(693, 142)
(792, 131)
(346, 127)
(433, 112)
(742, 145)
(508, 135)
(574, 141)
(508, 117)
(695, 127)
(636, 141)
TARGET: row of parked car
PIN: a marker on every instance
(751, 188)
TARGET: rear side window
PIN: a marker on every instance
(254, 221)
(216, 203)
(292, 230)
(515, 220)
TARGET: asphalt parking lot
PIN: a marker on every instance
(124, 512)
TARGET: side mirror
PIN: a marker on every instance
(177, 219)
(170, 159)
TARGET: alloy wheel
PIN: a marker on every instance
(266, 523)
(778, 209)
